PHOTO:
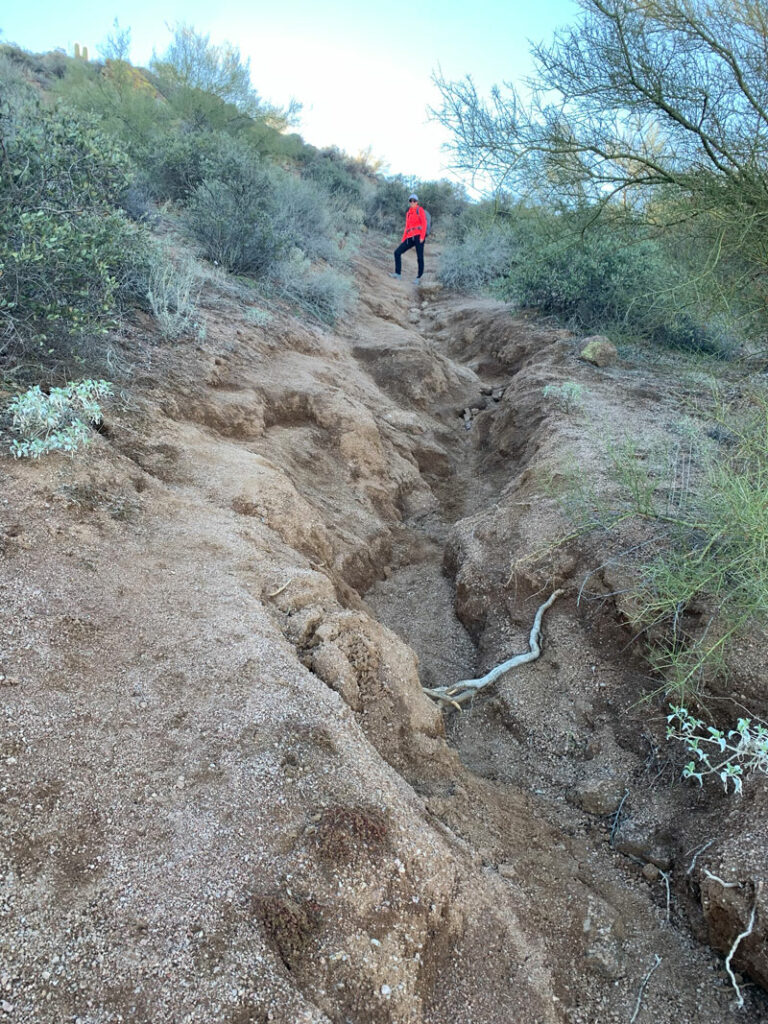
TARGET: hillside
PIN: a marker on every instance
(226, 797)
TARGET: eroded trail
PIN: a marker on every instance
(243, 808)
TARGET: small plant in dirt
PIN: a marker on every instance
(260, 317)
(172, 293)
(730, 756)
(568, 396)
(57, 421)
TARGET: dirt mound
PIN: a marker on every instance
(225, 796)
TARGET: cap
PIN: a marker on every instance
(413, 196)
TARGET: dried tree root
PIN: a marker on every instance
(457, 693)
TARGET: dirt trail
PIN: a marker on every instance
(225, 797)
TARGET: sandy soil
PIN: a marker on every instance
(225, 797)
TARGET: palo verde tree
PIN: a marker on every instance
(193, 64)
(659, 107)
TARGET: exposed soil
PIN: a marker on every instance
(225, 797)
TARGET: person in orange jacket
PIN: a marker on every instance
(414, 235)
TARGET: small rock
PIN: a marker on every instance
(651, 872)
(6, 1007)
(634, 840)
(603, 961)
(386, 991)
(599, 796)
(598, 350)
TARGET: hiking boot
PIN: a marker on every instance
(396, 275)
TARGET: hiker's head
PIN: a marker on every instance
(413, 198)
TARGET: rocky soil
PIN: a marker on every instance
(224, 795)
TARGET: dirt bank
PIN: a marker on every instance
(225, 797)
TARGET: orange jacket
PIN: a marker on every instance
(415, 223)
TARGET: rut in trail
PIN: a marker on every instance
(226, 797)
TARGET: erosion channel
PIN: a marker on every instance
(226, 797)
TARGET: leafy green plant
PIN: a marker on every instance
(730, 756)
(68, 259)
(57, 421)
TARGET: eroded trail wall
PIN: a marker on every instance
(224, 795)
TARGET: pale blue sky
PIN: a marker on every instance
(361, 71)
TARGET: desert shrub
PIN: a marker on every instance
(249, 216)
(589, 280)
(179, 161)
(479, 260)
(68, 259)
(57, 421)
(568, 396)
(386, 206)
(320, 292)
(335, 173)
(232, 222)
(172, 291)
(610, 276)
(730, 755)
(302, 215)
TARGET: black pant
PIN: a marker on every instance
(404, 247)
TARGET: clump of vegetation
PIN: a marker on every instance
(172, 293)
(69, 260)
(59, 421)
(568, 396)
(730, 756)
(701, 575)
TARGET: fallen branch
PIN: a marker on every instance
(280, 589)
(466, 688)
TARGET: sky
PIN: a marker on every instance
(362, 72)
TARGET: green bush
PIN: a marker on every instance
(321, 293)
(68, 259)
(386, 206)
(57, 421)
(610, 276)
(481, 260)
(231, 212)
(303, 215)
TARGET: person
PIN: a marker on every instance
(414, 235)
